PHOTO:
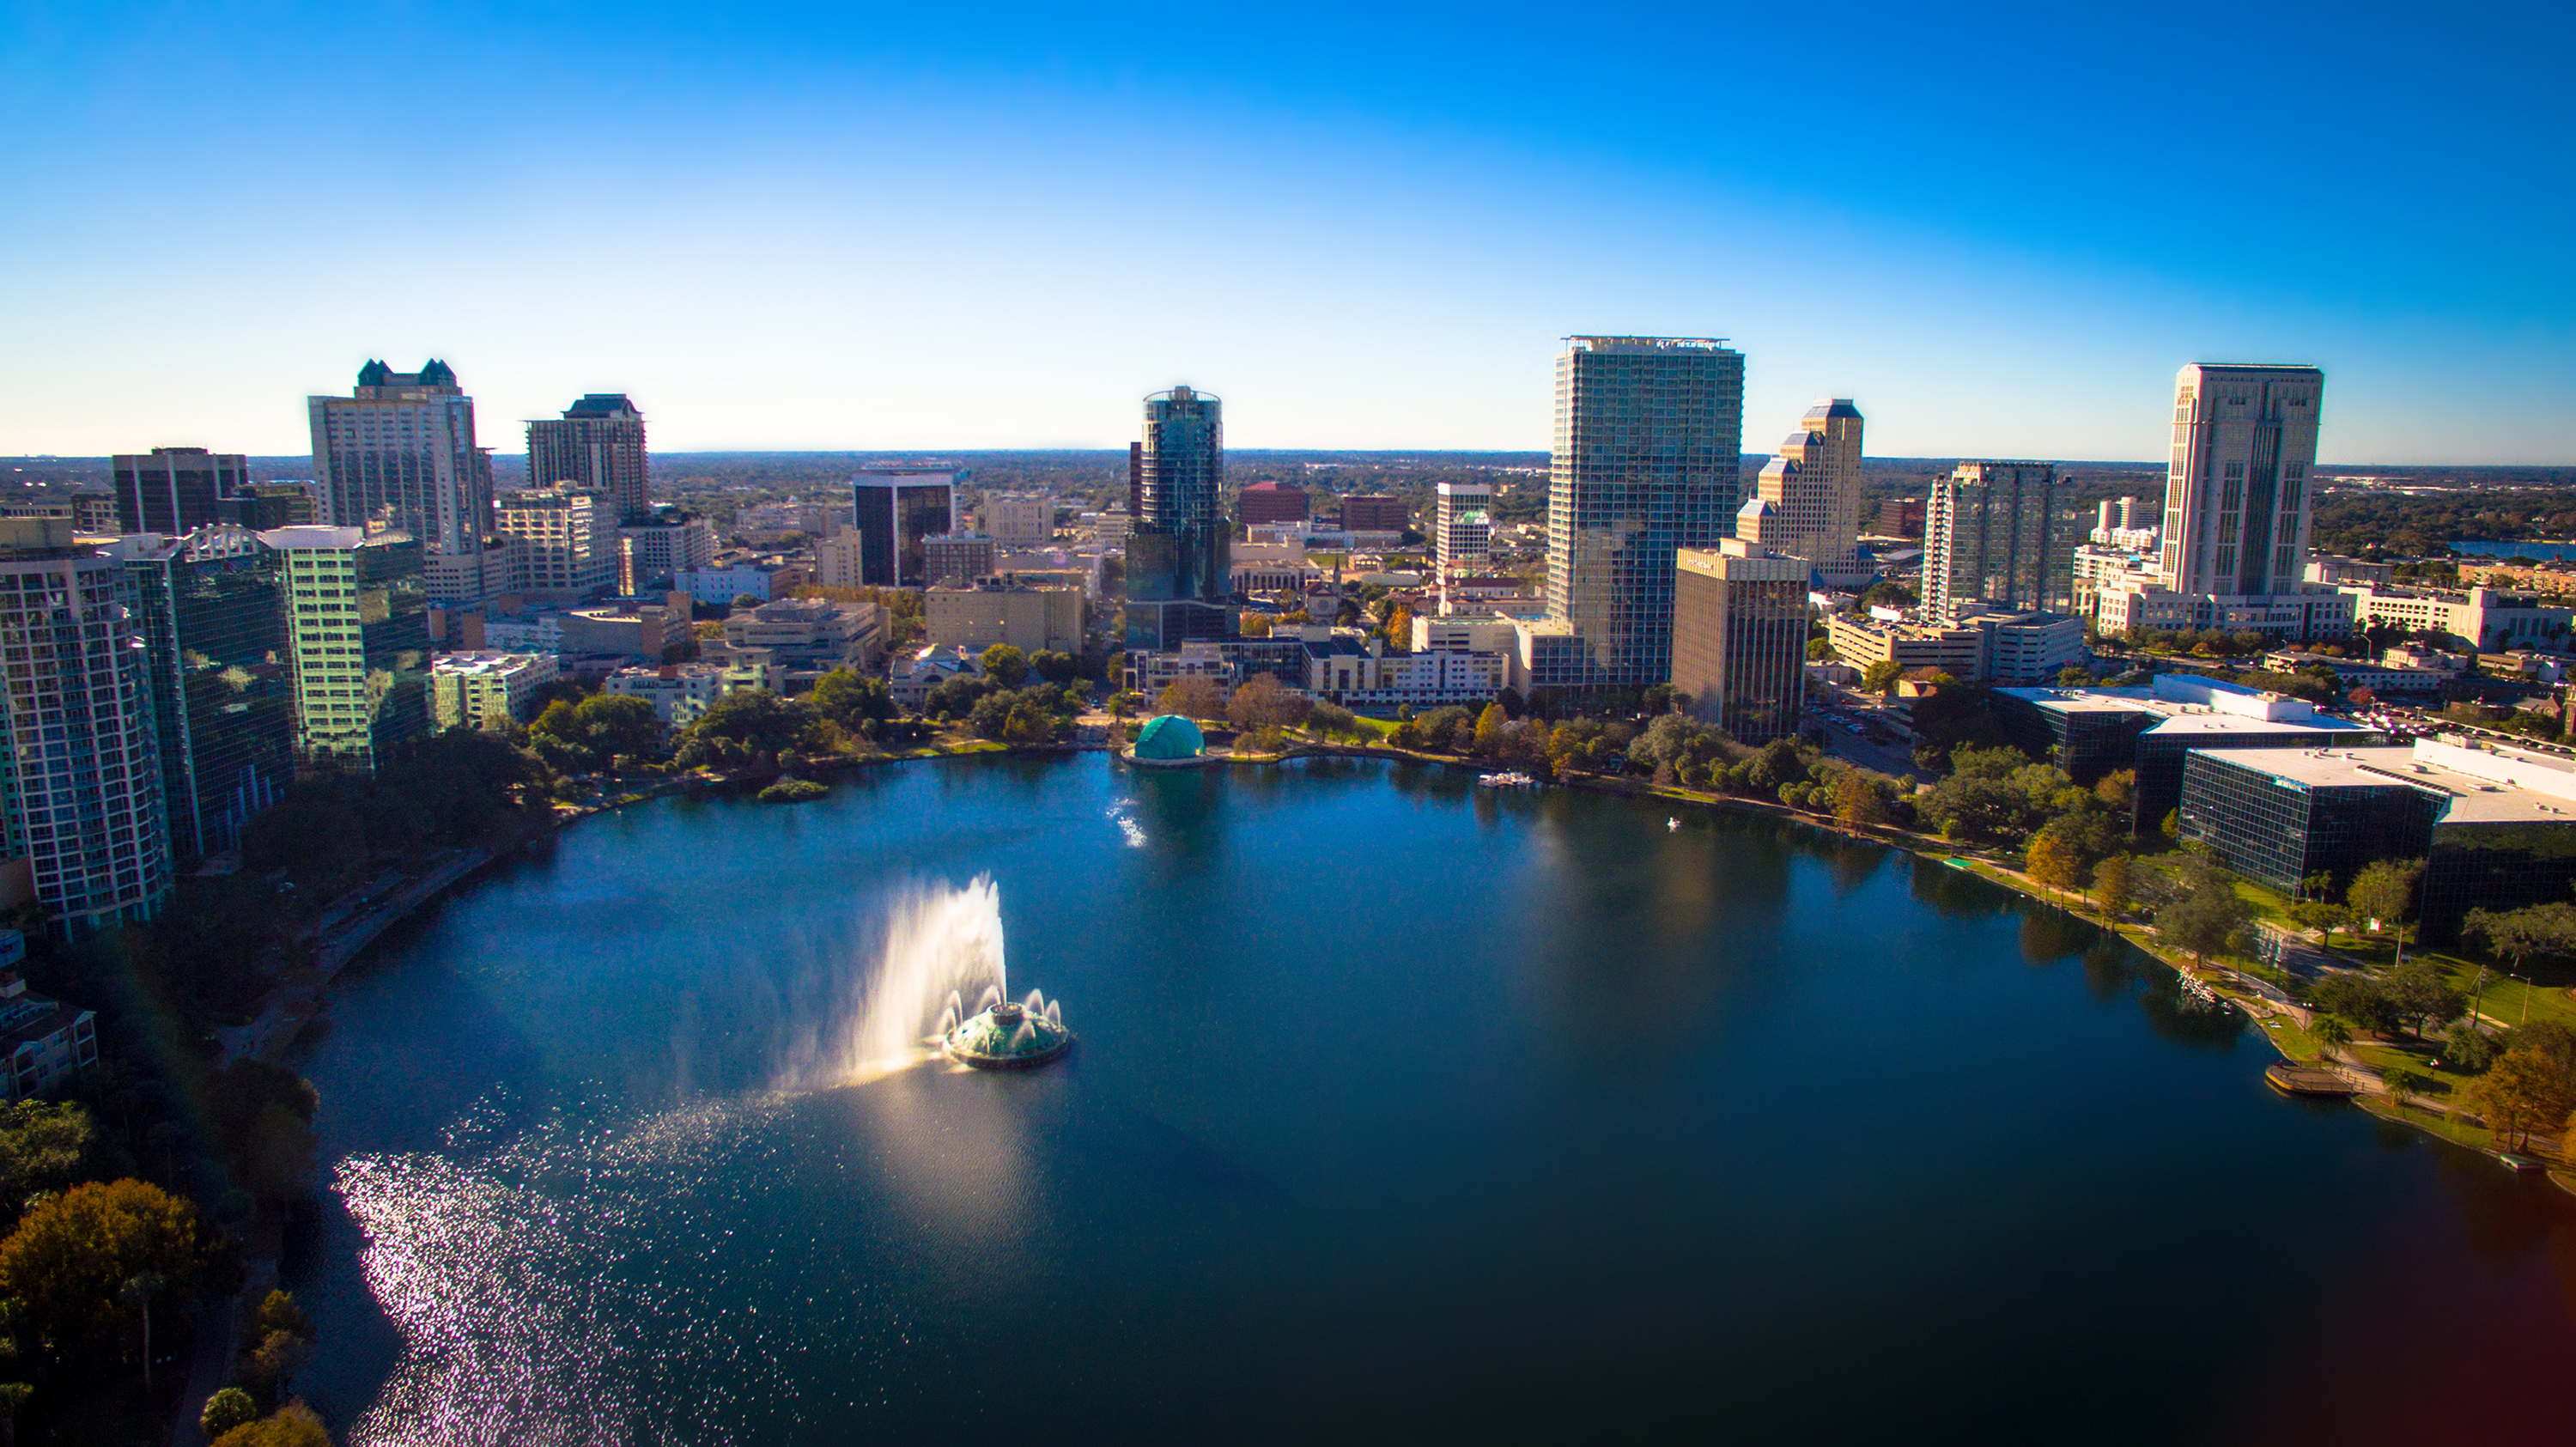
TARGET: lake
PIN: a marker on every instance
(1401, 1109)
(2537, 552)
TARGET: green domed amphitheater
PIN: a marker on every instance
(1169, 738)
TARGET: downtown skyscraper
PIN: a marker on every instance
(1811, 492)
(398, 454)
(1180, 582)
(2236, 493)
(1991, 535)
(597, 446)
(1649, 437)
(174, 490)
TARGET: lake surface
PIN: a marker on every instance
(2537, 552)
(1401, 1111)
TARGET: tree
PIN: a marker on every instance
(1858, 804)
(138, 1291)
(1399, 629)
(2522, 1092)
(2111, 886)
(760, 721)
(2359, 999)
(2517, 935)
(1262, 703)
(295, 1425)
(2405, 1084)
(225, 1410)
(2204, 916)
(1488, 724)
(43, 1147)
(2053, 863)
(13, 1397)
(2332, 1034)
(2422, 996)
(72, 1256)
(851, 699)
(2118, 790)
(1881, 677)
(1055, 665)
(1192, 696)
(2385, 891)
(1005, 665)
(1256, 625)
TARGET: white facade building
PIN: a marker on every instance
(399, 454)
(564, 541)
(1813, 488)
(473, 689)
(1463, 530)
(1017, 519)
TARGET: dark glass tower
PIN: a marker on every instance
(172, 490)
(1179, 582)
(597, 445)
(223, 699)
(897, 507)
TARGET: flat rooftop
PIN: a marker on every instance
(2494, 789)
(2186, 704)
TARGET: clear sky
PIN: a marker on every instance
(1999, 228)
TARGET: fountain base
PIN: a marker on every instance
(1006, 1037)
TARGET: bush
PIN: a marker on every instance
(793, 791)
(225, 1410)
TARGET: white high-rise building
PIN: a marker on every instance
(398, 455)
(566, 540)
(1813, 487)
(1464, 533)
(2236, 499)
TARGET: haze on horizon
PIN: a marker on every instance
(817, 227)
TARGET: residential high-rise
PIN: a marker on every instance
(897, 507)
(173, 490)
(1740, 638)
(357, 628)
(1813, 486)
(596, 446)
(1179, 578)
(1463, 535)
(1990, 534)
(1649, 435)
(81, 779)
(399, 454)
(2236, 497)
(211, 615)
(565, 540)
(671, 542)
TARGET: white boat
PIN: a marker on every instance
(1672, 826)
(1513, 780)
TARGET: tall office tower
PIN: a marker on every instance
(81, 778)
(1740, 637)
(1990, 534)
(1813, 486)
(357, 632)
(597, 446)
(898, 506)
(1179, 584)
(565, 540)
(223, 699)
(1018, 519)
(1649, 434)
(2236, 499)
(1464, 533)
(173, 490)
(399, 454)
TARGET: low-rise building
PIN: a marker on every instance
(654, 551)
(1862, 642)
(719, 584)
(2017, 650)
(639, 630)
(2127, 604)
(810, 633)
(914, 675)
(536, 631)
(2382, 679)
(2489, 620)
(2090, 732)
(43, 1042)
(956, 557)
(474, 688)
(2330, 570)
(2495, 828)
(990, 610)
(1017, 519)
(681, 692)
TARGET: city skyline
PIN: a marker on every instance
(858, 239)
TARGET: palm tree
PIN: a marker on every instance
(2333, 1034)
(141, 1289)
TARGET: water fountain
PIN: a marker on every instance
(1004, 1034)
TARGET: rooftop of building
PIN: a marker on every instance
(1645, 344)
(2187, 704)
(2483, 785)
(487, 661)
(601, 404)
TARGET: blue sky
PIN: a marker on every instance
(1999, 228)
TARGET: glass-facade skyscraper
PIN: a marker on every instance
(895, 508)
(1648, 449)
(1180, 581)
(213, 623)
(1991, 534)
(173, 490)
(357, 629)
